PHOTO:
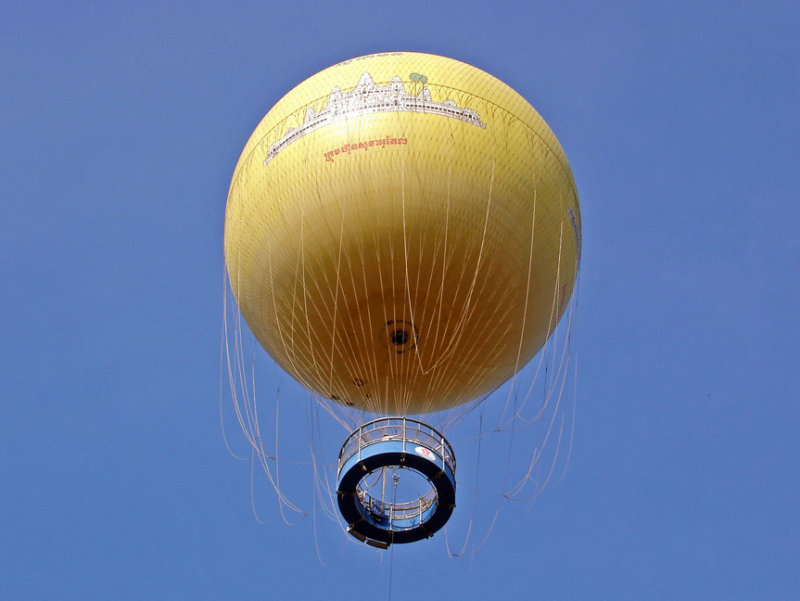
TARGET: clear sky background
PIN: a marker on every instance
(120, 125)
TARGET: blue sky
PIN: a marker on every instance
(120, 125)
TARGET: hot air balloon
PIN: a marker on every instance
(402, 235)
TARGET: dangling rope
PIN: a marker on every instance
(395, 477)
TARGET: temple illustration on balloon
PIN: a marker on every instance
(369, 97)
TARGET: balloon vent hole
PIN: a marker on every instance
(399, 337)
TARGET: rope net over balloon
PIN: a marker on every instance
(512, 444)
(402, 237)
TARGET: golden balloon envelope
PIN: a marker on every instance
(402, 233)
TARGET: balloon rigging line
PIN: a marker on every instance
(224, 354)
(246, 413)
(527, 298)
